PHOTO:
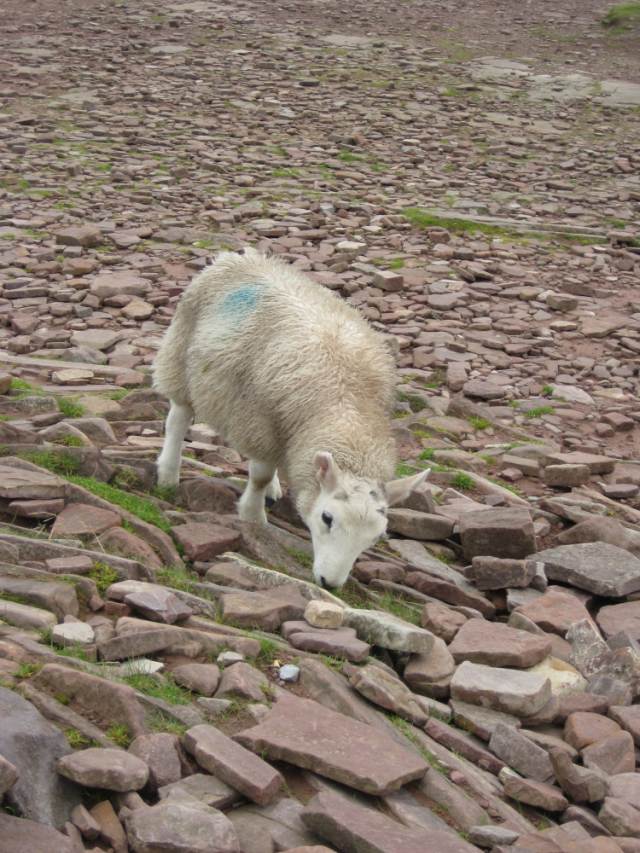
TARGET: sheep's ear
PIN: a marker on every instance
(399, 490)
(326, 470)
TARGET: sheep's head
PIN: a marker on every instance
(348, 516)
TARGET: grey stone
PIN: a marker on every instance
(507, 690)
(33, 746)
(203, 787)
(503, 532)
(183, 825)
(520, 753)
(388, 631)
(112, 769)
(352, 828)
(597, 567)
(19, 835)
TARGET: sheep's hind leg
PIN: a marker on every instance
(273, 491)
(168, 465)
(251, 504)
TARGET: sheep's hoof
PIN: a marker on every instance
(269, 502)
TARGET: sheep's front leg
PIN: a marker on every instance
(168, 464)
(251, 504)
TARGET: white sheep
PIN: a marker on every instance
(296, 381)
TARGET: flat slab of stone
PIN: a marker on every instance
(597, 567)
(349, 826)
(233, 764)
(555, 611)
(78, 520)
(508, 690)
(505, 532)
(102, 701)
(21, 483)
(203, 787)
(596, 464)
(339, 642)
(629, 718)
(205, 541)
(311, 736)
(158, 604)
(111, 769)
(387, 691)
(620, 617)
(388, 631)
(58, 597)
(520, 753)
(33, 746)
(266, 609)
(19, 834)
(183, 825)
(532, 793)
(496, 644)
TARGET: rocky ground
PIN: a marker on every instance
(468, 176)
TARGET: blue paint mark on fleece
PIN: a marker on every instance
(240, 303)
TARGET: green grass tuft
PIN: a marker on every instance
(478, 422)
(159, 687)
(103, 576)
(463, 482)
(420, 218)
(143, 508)
(178, 577)
(302, 557)
(26, 670)
(159, 722)
(539, 411)
(119, 733)
(56, 461)
(70, 441)
(622, 16)
(79, 741)
(70, 408)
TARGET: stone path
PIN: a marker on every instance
(470, 182)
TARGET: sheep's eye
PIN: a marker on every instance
(328, 519)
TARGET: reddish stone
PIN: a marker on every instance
(233, 764)
(583, 729)
(555, 611)
(79, 519)
(205, 541)
(496, 644)
(306, 734)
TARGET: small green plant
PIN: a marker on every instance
(57, 461)
(159, 722)
(622, 16)
(119, 394)
(74, 651)
(404, 470)
(427, 454)
(269, 651)
(159, 687)
(178, 577)
(407, 730)
(547, 391)
(479, 423)
(143, 508)
(167, 494)
(415, 401)
(70, 408)
(62, 698)
(349, 157)
(79, 741)
(119, 733)
(302, 557)
(463, 482)
(103, 576)
(22, 388)
(70, 441)
(26, 670)
(332, 662)
(399, 607)
(539, 411)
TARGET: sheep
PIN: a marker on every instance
(296, 381)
